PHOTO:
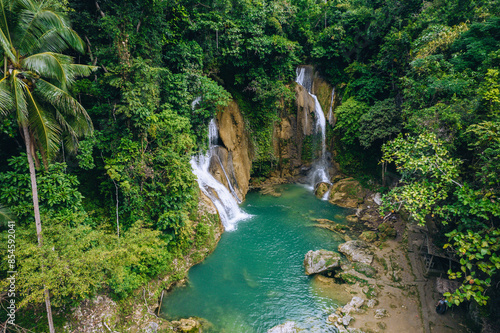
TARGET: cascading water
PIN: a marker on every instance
(330, 111)
(225, 202)
(319, 172)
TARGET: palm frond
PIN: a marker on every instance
(19, 88)
(5, 215)
(76, 70)
(37, 19)
(63, 102)
(75, 126)
(70, 143)
(57, 40)
(49, 65)
(6, 98)
(5, 7)
(46, 131)
(6, 44)
(65, 125)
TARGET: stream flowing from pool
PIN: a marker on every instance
(255, 280)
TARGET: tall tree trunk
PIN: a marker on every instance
(38, 222)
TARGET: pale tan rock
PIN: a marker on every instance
(237, 163)
(357, 251)
(186, 325)
(347, 193)
(321, 261)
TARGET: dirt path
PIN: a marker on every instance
(399, 291)
(452, 321)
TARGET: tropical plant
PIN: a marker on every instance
(34, 87)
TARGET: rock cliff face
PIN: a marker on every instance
(234, 151)
(291, 133)
(292, 137)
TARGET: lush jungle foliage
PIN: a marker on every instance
(420, 88)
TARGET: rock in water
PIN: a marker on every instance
(321, 261)
(347, 193)
(321, 189)
(288, 327)
(187, 325)
(356, 251)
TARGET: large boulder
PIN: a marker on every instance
(386, 230)
(187, 325)
(353, 306)
(347, 193)
(357, 251)
(321, 261)
(288, 327)
(321, 189)
(368, 236)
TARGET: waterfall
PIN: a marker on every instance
(319, 172)
(213, 139)
(225, 202)
(330, 111)
(195, 102)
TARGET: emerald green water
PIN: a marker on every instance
(255, 280)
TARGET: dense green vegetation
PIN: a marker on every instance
(420, 90)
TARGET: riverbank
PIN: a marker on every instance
(141, 311)
(397, 297)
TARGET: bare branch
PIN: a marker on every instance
(99, 9)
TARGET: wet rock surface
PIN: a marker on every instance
(347, 193)
(234, 137)
(187, 325)
(321, 261)
(357, 251)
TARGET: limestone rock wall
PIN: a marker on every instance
(292, 129)
(234, 153)
(289, 135)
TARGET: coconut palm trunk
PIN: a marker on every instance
(38, 221)
(35, 87)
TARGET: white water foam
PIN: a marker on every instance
(319, 172)
(225, 202)
(330, 111)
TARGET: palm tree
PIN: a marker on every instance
(36, 78)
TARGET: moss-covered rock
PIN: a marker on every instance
(347, 193)
(189, 325)
(364, 269)
(386, 231)
(349, 278)
(351, 218)
(357, 251)
(321, 261)
(321, 189)
(368, 236)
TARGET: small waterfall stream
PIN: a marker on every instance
(330, 111)
(319, 172)
(225, 201)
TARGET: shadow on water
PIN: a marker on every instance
(255, 280)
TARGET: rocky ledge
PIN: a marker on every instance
(321, 261)
(357, 251)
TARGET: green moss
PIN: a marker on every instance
(365, 269)
(382, 262)
(386, 231)
(307, 149)
(371, 293)
(350, 278)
